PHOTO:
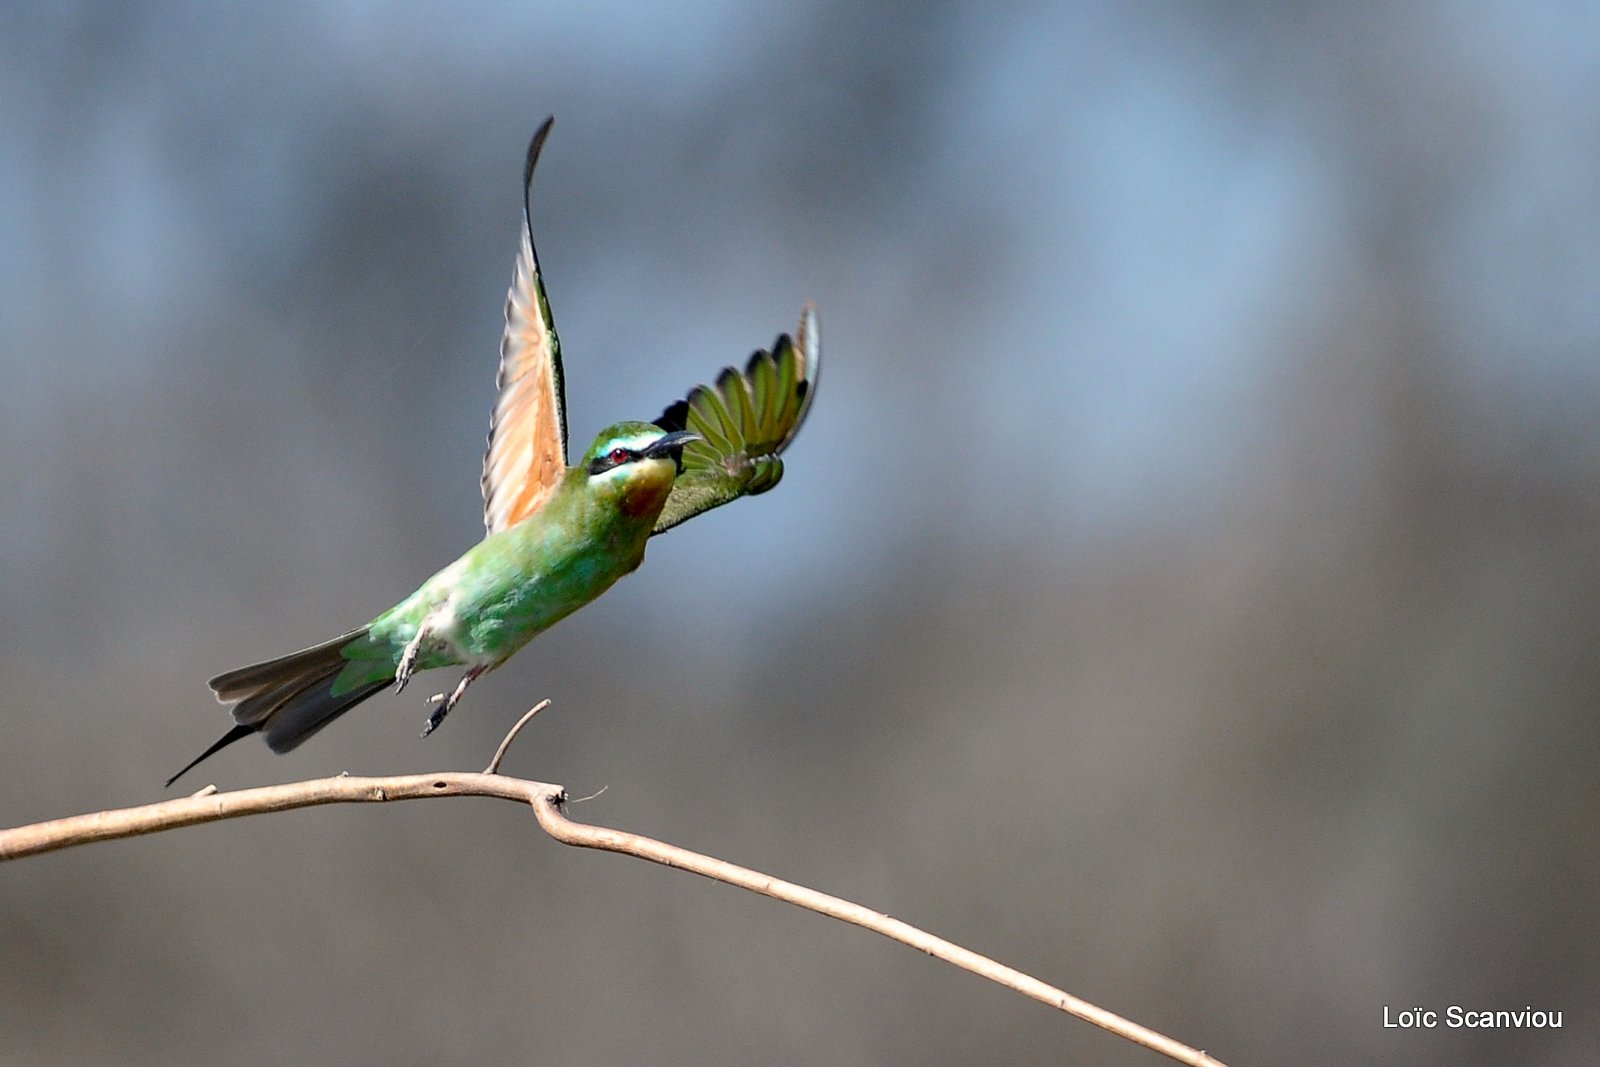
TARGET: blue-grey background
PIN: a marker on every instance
(1185, 590)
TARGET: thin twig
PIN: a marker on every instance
(505, 742)
(547, 801)
(548, 807)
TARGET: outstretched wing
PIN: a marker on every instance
(745, 421)
(528, 430)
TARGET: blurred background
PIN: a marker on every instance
(1186, 589)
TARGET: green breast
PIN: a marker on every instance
(517, 583)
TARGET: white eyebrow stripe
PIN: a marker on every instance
(634, 442)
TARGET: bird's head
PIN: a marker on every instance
(634, 463)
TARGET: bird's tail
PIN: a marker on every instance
(287, 699)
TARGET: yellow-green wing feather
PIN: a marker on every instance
(746, 420)
(527, 452)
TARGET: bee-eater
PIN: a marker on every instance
(558, 536)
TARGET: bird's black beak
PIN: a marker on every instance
(672, 445)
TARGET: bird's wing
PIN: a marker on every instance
(745, 421)
(528, 430)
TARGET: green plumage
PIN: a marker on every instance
(515, 584)
(744, 422)
(559, 536)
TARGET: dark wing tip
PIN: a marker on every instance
(535, 146)
(760, 355)
(676, 417)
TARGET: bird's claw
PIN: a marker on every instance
(436, 718)
(446, 703)
(408, 661)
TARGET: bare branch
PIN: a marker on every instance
(547, 801)
(548, 808)
(206, 807)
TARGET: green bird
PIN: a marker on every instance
(558, 536)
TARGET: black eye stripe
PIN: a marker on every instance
(616, 457)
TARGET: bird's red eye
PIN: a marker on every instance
(619, 456)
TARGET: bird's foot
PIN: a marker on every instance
(408, 660)
(438, 714)
(446, 703)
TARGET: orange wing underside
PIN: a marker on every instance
(527, 453)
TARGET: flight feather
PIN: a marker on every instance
(527, 452)
(745, 421)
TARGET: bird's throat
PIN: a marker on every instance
(645, 491)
